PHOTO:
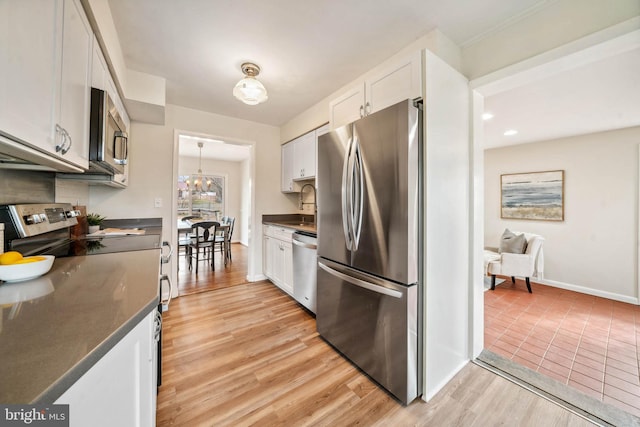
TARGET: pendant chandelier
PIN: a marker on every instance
(201, 184)
(249, 90)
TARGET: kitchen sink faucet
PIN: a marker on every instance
(301, 203)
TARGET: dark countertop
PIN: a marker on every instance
(88, 304)
(298, 222)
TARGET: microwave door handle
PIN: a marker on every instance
(118, 135)
(126, 149)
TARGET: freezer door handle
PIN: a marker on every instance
(361, 283)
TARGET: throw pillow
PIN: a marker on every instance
(512, 243)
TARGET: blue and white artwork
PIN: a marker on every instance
(534, 195)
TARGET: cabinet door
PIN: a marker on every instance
(29, 69)
(277, 258)
(287, 152)
(348, 107)
(397, 82)
(304, 156)
(99, 68)
(287, 267)
(267, 257)
(124, 378)
(75, 85)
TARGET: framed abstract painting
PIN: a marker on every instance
(532, 195)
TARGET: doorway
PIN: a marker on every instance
(213, 183)
(579, 339)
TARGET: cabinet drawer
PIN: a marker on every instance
(281, 233)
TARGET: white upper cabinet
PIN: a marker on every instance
(99, 69)
(304, 157)
(348, 107)
(44, 76)
(287, 184)
(389, 84)
(75, 83)
(30, 65)
(299, 160)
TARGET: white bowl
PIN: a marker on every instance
(30, 270)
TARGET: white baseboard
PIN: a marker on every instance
(427, 395)
(588, 291)
(256, 278)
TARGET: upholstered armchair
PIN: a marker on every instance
(528, 264)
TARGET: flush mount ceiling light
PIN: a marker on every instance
(249, 90)
(487, 116)
(510, 132)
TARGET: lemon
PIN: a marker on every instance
(10, 257)
(27, 260)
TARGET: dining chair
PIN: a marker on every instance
(231, 221)
(223, 241)
(184, 238)
(203, 236)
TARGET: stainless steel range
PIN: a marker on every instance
(45, 228)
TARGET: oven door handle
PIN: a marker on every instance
(166, 258)
(165, 278)
(361, 283)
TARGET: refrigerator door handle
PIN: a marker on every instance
(358, 190)
(361, 283)
(346, 197)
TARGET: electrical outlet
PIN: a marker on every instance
(158, 202)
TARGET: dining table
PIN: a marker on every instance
(185, 226)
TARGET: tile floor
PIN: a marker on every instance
(586, 342)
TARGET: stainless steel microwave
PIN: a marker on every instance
(108, 138)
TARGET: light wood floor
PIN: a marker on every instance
(224, 276)
(250, 355)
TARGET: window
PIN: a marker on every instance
(202, 194)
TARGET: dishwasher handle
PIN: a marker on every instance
(304, 244)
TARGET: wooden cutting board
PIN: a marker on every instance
(118, 232)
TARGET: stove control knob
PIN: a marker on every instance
(72, 214)
(32, 219)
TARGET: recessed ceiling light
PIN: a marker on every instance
(510, 132)
(487, 116)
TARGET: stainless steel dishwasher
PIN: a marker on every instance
(305, 266)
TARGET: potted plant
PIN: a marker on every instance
(94, 221)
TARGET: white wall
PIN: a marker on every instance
(151, 172)
(234, 184)
(594, 249)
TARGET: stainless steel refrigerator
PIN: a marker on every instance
(369, 227)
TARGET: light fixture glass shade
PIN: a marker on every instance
(250, 91)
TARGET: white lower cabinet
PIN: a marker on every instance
(120, 389)
(278, 257)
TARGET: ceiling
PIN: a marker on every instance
(212, 149)
(306, 49)
(600, 95)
